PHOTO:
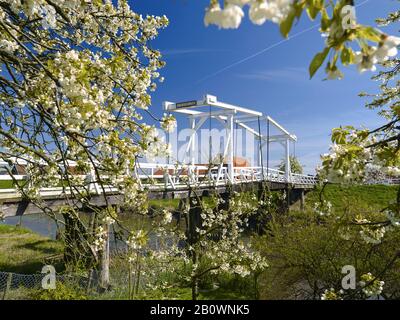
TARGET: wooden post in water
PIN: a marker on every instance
(194, 219)
(302, 200)
(225, 197)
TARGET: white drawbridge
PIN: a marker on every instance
(177, 177)
(230, 116)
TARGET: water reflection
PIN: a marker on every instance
(39, 223)
(45, 226)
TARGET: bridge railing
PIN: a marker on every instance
(172, 176)
(303, 179)
(169, 176)
(247, 174)
(386, 181)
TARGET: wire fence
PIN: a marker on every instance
(12, 281)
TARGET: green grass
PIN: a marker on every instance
(171, 204)
(9, 184)
(6, 184)
(373, 197)
(23, 251)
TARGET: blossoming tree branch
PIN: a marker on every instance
(337, 24)
(356, 155)
(75, 79)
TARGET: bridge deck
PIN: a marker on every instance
(173, 182)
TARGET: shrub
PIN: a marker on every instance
(306, 254)
(62, 292)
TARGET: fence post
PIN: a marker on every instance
(8, 285)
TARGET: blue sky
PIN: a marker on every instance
(254, 67)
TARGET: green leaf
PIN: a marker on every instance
(317, 61)
(369, 33)
(325, 20)
(287, 24)
(347, 56)
(313, 8)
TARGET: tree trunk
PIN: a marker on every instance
(105, 261)
(195, 280)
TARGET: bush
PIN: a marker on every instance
(306, 255)
(62, 292)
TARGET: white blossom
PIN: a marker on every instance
(392, 218)
(168, 123)
(371, 286)
(229, 17)
(137, 239)
(323, 208)
(166, 216)
(8, 45)
(109, 220)
(240, 3)
(331, 294)
(259, 12)
(335, 74)
(213, 15)
(387, 49)
(274, 10)
(365, 62)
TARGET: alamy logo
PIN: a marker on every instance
(348, 14)
(49, 280)
(349, 280)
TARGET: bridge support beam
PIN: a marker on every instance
(295, 196)
(287, 161)
(288, 198)
(224, 205)
(192, 142)
(193, 218)
(229, 129)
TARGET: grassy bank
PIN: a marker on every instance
(23, 251)
(5, 184)
(306, 252)
(300, 252)
(374, 197)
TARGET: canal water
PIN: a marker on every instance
(39, 223)
(45, 226)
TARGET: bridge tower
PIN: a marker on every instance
(229, 115)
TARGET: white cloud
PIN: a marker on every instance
(286, 74)
(185, 51)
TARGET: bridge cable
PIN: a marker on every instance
(294, 149)
(260, 147)
(209, 137)
(235, 141)
(177, 147)
(267, 148)
(168, 139)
